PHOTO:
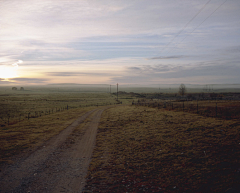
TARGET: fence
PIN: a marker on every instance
(214, 109)
(10, 116)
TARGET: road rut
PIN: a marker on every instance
(58, 166)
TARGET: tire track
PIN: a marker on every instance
(56, 167)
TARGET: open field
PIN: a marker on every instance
(141, 149)
(29, 134)
(17, 106)
(59, 164)
(210, 108)
(27, 119)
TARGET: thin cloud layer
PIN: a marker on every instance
(76, 74)
(166, 57)
(106, 40)
(29, 80)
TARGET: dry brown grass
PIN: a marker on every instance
(35, 117)
(17, 107)
(209, 108)
(140, 149)
(29, 134)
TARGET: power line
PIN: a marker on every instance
(185, 26)
(200, 23)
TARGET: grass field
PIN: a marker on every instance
(29, 134)
(27, 119)
(141, 149)
(17, 106)
(138, 148)
(210, 108)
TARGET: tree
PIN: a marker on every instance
(182, 90)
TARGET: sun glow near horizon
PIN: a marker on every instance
(7, 72)
(129, 42)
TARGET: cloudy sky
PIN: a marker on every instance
(124, 41)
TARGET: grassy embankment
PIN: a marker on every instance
(141, 149)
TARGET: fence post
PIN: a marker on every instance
(183, 105)
(8, 116)
(197, 107)
(216, 109)
(172, 106)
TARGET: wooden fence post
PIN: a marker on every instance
(183, 105)
(197, 107)
(216, 109)
(8, 116)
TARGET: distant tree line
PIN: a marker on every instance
(15, 88)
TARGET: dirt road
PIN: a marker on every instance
(60, 165)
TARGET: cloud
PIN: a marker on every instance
(13, 81)
(167, 57)
(16, 64)
(93, 36)
(153, 69)
(232, 50)
(29, 80)
(135, 68)
(205, 70)
(76, 74)
(3, 81)
(132, 79)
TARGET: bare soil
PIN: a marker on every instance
(59, 165)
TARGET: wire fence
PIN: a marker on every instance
(10, 115)
(216, 109)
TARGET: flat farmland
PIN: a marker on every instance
(17, 106)
(210, 108)
(139, 148)
(142, 149)
(27, 119)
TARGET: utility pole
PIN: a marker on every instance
(117, 91)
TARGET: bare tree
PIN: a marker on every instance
(182, 90)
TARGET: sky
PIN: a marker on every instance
(119, 41)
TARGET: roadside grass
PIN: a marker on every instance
(29, 134)
(141, 149)
(27, 119)
(18, 107)
(209, 108)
